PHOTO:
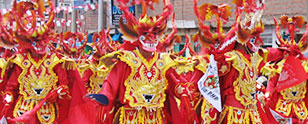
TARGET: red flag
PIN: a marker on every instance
(63, 22)
(96, 5)
(292, 74)
(28, 116)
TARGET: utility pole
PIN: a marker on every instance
(307, 10)
(74, 17)
(100, 15)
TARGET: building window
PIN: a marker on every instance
(267, 39)
(60, 14)
(197, 47)
(179, 46)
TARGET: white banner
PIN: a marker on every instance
(3, 120)
(209, 85)
(279, 118)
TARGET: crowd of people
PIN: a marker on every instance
(47, 78)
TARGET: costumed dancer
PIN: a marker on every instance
(209, 41)
(189, 70)
(72, 46)
(137, 87)
(7, 50)
(38, 86)
(238, 64)
(286, 92)
(100, 62)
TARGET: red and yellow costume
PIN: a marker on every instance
(94, 75)
(6, 50)
(93, 71)
(4, 60)
(238, 66)
(143, 93)
(68, 47)
(38, 82)
(190, 70)
(32, 80)
(239, 88)
(137, 88)
(208, 114)
(289, 101)
(97, 68)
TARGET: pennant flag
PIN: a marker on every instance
(58, 23)
(66, 9)
(82, 17)
(92, 6)
(68, 22)
(79, 23)
(86, 8)
(58, 9)
(96, 5)
(89, 7)
(209, 85)
(70, 9)
(63, 22)
(293, 73)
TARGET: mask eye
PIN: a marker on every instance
(252, 40)
(216, 45)
(142, 37)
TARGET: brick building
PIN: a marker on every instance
(184, 15)
(187, 24)
(5, 4)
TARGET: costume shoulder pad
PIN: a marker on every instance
(268, 70)
(18, 59)
(279, 67)
(129, 58)
(230, 56)
(110, 59)
(167, 61)
(203, 62)
(183, 65)
(305, 65)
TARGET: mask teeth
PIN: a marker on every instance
(38, 49)
(149, 45)
(228, 43)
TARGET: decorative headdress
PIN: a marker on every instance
(146, 31)
(6, 29)
(206, 12)
(241, 31)
(103, 44)
(27, 25)
(250, 28)
(70, 40)
(292, 23)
